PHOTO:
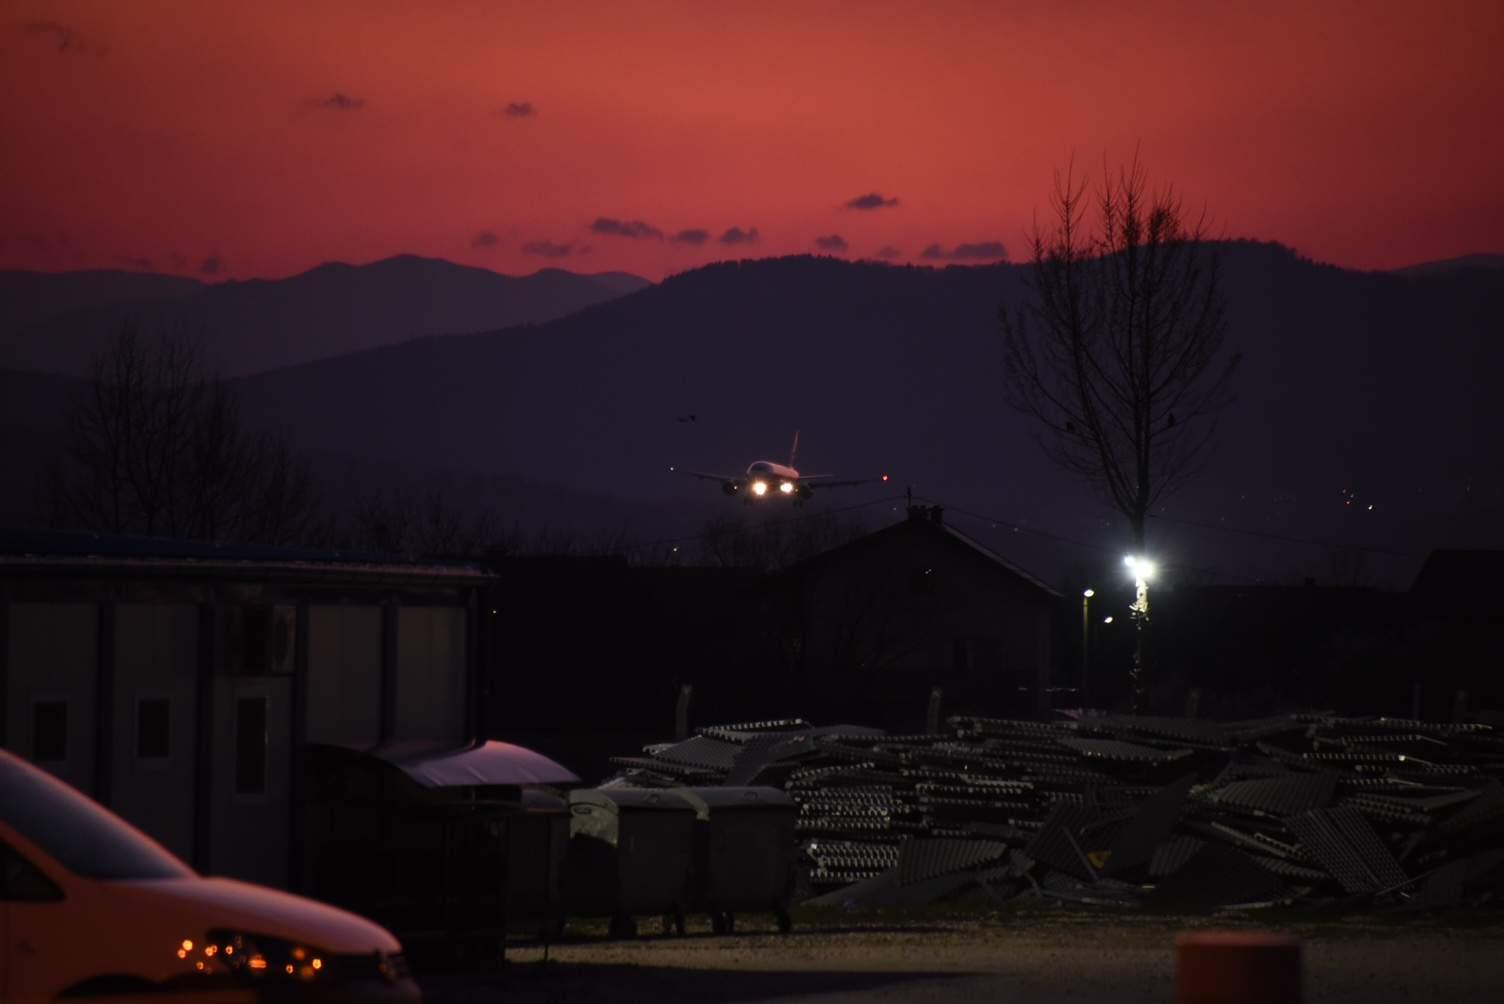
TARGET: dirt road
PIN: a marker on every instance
(1080, 959)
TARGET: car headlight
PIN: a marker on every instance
(246, 957)
(229, 960)
(255, 956)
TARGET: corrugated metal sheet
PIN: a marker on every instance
(1344, 844)
(703, 752)
(923, 859)
(1282, 796)
(1090, 805)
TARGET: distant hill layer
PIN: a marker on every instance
(1364, 430)
(1355, 389)
(1478, 261)
(56, 322)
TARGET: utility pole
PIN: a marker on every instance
(681, 712)
(1086, 646)
(1142, 570)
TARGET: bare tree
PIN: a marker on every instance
(773, 544)
(130, 437)
(397, 522)
(1116, 350)
(283, 505)
(156, 446)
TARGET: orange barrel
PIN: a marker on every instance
(1237, 967)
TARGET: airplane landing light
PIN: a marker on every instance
(759, 488)
(786, 488)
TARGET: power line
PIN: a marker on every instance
(1021, 528)
(1017, 526)
(1269, 535)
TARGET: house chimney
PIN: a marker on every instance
(937, 515)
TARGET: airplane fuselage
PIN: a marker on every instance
(772, 471)
(766, 478)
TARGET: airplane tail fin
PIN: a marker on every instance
(794, 451)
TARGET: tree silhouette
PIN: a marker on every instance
(156, 446)
(398, 522)
(775, 543)
(1115, 352)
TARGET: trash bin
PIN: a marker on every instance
(414, 859)
(417, 836)
(537, 840)
(630, 852)
(744, 854)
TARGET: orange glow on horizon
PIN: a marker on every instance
(262, 139)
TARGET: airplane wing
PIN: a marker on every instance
(831, 481)
(722, 478)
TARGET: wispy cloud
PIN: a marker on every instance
(832, 242)
(212, 265)
(978, 251)
(634, 229)
(339, 101)
(520, 110)
(548, 249)
(484, 239)
(736, 235)
(65, 39)
(695, 237)
(889, 251)
(872, 200)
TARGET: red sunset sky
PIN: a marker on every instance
(262, 138)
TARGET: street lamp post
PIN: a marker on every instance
(1086, 646)
(1142, 570)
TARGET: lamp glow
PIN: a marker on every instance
(1142, 569)
(1089, 593)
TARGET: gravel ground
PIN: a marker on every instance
(1083, 959)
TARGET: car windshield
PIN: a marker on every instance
(77, 832)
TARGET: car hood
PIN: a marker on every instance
(202, 904)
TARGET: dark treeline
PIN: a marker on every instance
(157, 446)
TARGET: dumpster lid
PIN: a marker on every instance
(435, 765)
(534, 800)
(617, 798)
(735, 797)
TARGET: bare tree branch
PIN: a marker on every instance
(1115, 353)
(157, 447)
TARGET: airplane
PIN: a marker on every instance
(769, 479)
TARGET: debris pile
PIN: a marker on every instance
(1127, 811)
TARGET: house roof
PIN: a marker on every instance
(930, 520)
(51, 551)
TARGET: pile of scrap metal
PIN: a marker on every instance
(1136, 812)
